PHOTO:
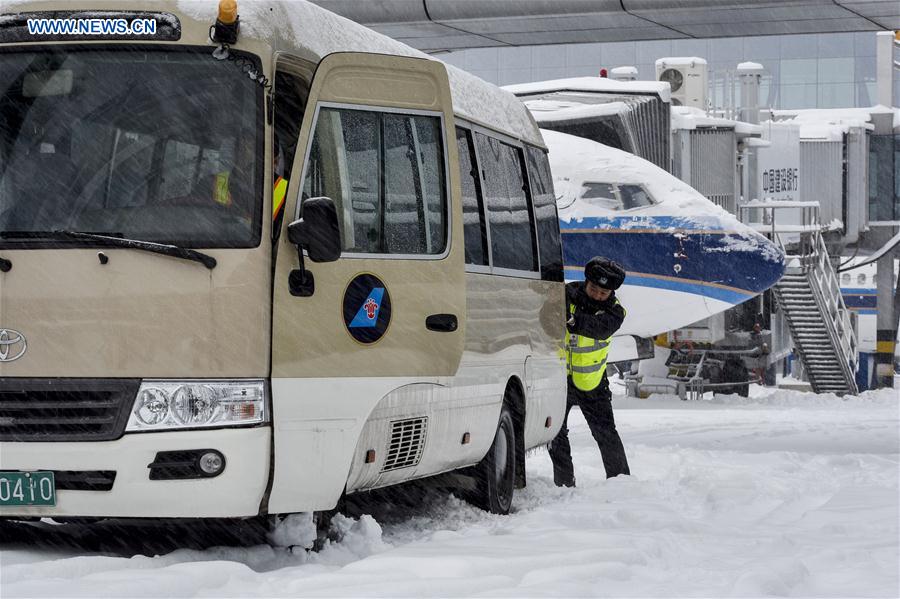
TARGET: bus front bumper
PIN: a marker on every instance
(236, 492)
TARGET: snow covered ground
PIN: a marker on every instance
(782, 494)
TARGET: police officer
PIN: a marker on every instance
(594, 314)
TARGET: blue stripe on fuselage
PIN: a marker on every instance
(860, 299)
(668, 224)
(693, 255)
(728, 295)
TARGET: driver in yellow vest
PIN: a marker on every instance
(594, 315)
(222, 181)
(281, 183)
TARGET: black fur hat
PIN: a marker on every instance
(604, 272)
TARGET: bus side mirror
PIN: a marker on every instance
(316, 232)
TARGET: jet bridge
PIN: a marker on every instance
(633, 116)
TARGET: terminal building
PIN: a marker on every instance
(825, 70)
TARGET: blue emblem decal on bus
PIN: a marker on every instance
(367, 316)
(367, 308)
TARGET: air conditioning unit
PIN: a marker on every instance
(687, 77)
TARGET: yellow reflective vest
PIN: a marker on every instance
(585, 358)
(221, 193)
(278, 194)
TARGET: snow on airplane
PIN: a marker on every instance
(686, 258)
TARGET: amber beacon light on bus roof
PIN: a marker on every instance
(225, 31)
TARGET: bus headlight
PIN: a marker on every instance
(163, 405)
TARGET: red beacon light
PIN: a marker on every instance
(603, 73)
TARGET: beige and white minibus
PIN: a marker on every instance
(255, 260)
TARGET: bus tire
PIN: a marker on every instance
(495, 474)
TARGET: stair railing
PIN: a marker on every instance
(762, 215)
(826, 288)
(812, 256)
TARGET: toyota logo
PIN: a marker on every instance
(12, 345)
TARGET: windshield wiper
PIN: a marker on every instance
(114, 241)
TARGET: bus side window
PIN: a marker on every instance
(545, 214)
(509, 213)
(385, 174)
(474, 227)
(413, 185)
(290, 96)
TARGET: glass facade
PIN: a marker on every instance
(884, 178)
(829, 70)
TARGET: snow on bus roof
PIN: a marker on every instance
(593, 84)
(323, 32)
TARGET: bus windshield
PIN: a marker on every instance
(153, 144)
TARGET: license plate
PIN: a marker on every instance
(27, 488)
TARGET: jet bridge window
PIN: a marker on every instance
(385, 173)
(616, 196)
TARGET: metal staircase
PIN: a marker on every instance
(809, 295)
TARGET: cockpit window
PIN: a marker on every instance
(601, 195)
(615, 196)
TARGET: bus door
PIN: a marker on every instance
(375, 139)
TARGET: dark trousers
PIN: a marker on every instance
(596, 407)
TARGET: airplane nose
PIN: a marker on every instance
(755, 262)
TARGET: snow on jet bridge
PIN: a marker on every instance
(438, 25)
